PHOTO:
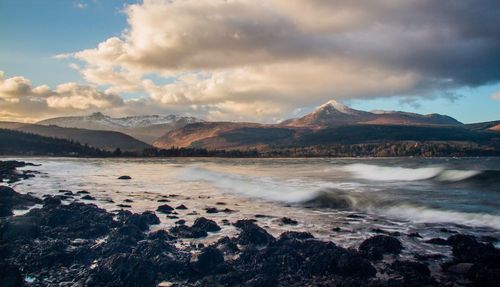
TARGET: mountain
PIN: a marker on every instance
(145, 128)
(329, 124)
(14, 142)
(107, 140)
(334, 113)
(485, 126)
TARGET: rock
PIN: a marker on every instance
(10, 199)
(82, 192)
(165, 208)
(437, 241)
(143, 221)
(432, 256)
(124, 205)
(460, 268)
(88, 197)
(128, 200)
(183, 231)
(467, 249)
(209, 259)
(413, 273)
(123, 270)
(124, 177)
(180, 222)
(10, 276)
(226, 245)
(378, 245)
(252, 234)
(415, 235)
(163, 200)
(182, 206)
(211, 210)
(52, 200)
(288, 221)
(20, 228)
(206, 225)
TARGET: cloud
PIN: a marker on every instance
(22, 100)
(221, 55)
(80, 5)
(496, 96)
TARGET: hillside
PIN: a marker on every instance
(107, 140)
(334, 113)
(19, 143)
(146, 128)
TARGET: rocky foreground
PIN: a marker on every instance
(77, 244)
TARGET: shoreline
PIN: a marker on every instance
(83, 245)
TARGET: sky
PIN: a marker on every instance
(248, 60)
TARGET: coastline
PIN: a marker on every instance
(80, 244)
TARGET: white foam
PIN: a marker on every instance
(386, 173)
(427, 215)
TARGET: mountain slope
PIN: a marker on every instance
(334, 113)
(146, 128)
(14, 142)
(108, 140)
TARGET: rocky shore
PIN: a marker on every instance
(79, 244)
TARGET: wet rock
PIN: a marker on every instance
(143, 220)
(220, 203)
(180, 222)
(413, 273)
(376, 246)
(437, 241)
(165, 208)
(51, 201)
(128, 200)
(251, 233)
(124, 177)
(288, 221)
(82, 192)
(123, 270)
(415, 235)
(19, 228)
(183, 231)
(88, 197)
(226, 245)
(381, 231)
(209, 259)
(182, 206)
(432, 256)
(460, 268)
(163, 200)
(467, 249)
(10, 276)
(206, 224)
(160, 235)
(124, 205)
(10, 199)
(211, 210)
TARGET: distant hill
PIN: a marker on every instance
(334, 113)
(486, 126)
(330, 123)
(145, 128)
(14, 142)
(107, 140)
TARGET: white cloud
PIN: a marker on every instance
(275, 56)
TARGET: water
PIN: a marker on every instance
(355, 195)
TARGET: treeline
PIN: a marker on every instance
(19, 143)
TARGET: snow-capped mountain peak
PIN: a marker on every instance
(333, 105)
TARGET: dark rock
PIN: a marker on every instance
(288, 221)
(88, 197)
(437, 241)
(82, 192)
(211, 210)
(378, 245)
(180, 222)
(128, 200)
(182, 206)
(124, 177)
(165, 208)
(209, 259)
(123, 270)
(161, 235)
(467, 249)
(10, 276)
(433, 256)
(163, 200)
(184, 231)
(413, 273)
(52, 200)
(206, 225)
(460, 268)
(124, 205)
(415, 235)
(20, 228)
(252, 234)
(226, 245)
(10, 199)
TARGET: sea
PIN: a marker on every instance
(344, 200)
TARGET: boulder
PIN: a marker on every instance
(375, 247)
(209, 259)
(165, 208)
(206, 225)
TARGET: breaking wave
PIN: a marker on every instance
(438, 173)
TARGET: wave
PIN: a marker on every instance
(370, 203)
(437, 173)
